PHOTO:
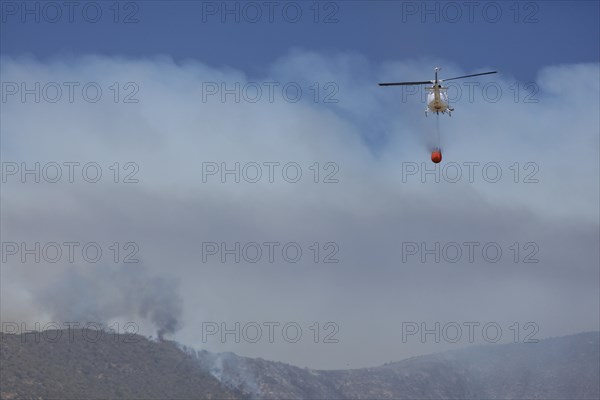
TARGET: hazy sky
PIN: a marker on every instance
(184, 139)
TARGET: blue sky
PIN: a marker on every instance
(524, 37)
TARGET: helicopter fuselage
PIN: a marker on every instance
(437, 99)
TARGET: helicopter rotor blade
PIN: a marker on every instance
(405, 83)
(468, 76)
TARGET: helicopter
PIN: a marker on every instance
(437, 99)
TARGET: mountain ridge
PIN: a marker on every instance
(132, 366)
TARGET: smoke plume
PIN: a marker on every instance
(103, 293)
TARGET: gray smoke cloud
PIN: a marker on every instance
(102, 293)
(373, 136)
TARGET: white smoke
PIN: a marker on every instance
(103, 293)
(371, 134)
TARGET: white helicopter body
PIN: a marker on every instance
(437, 98)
